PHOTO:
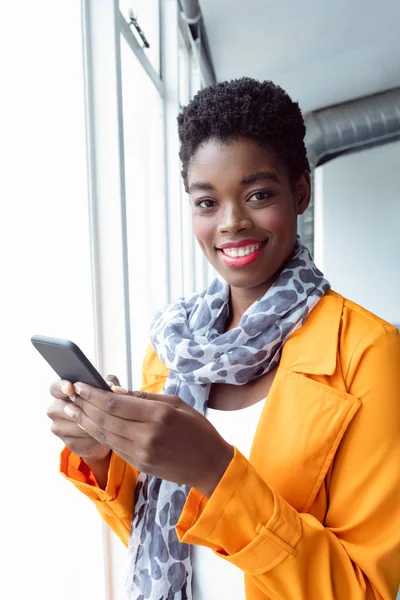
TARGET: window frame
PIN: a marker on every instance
(102, 25)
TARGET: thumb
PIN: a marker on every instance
(112, 380)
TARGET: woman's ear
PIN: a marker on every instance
(303, 192)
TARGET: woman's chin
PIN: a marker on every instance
(244, 280)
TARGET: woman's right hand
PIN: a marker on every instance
(73, 436)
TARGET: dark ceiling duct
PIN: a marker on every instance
(348, 127)
(355, 125)
(191, 13)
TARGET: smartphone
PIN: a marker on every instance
(68, 361)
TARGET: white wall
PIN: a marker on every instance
(357, 246)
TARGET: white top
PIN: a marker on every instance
(213, 577)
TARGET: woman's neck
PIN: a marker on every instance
(240, 300)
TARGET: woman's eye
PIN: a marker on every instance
(207, 203)
(260, 196)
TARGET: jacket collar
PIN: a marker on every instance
(313, 348)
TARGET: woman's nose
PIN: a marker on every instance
(234, 220)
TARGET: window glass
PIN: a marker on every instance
(195, 80)
(50, 534)
(188, 240)
(145, 197)
(196, 273)
(184, 72)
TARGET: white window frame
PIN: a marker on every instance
(103, 24)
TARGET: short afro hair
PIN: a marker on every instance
(245, 108)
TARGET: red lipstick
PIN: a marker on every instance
(241, 261)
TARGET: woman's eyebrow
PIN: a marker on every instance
(259, 176)
(204, 186)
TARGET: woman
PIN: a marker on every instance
(267, 428)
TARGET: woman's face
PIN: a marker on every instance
(245, 210)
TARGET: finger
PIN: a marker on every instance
(56, 410)
(62, 389)
(112, 380)
(117, 389)
(129, 406)
(102, 435)
(76, 416)
(67, 427)
(106, 421)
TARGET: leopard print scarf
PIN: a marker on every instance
(189, 339)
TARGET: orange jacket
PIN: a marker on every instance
(327, 445)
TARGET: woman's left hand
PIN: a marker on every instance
(158, 434)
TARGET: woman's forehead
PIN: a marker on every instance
(222, 160)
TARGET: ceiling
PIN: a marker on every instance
(321, 52)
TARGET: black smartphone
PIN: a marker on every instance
(68, 361)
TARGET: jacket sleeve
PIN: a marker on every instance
(355, 553)
(115, 504)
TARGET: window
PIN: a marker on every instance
(147, 15)
(51, 536)
(145, 200)
(53, 249)
(196, 270)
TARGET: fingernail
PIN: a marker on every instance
(81, 427)
(118, 389)
(78, 388)
(69, 411)
(65, 390)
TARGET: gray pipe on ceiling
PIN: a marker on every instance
(351, 126)
(191, 12)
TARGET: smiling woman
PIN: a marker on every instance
(311, 512)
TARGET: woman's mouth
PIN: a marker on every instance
(242, 256)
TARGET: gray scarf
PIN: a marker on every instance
(189, 339)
